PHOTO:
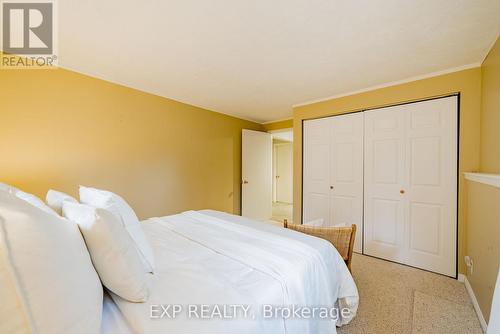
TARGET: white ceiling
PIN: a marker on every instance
(256, 58)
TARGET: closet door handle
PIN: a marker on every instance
(331, 187)
(402, 191)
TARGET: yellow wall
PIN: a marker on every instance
(59, 129)
(483, 228)
(490, 112)
(467, 82)
(483, 241)
(279, 125)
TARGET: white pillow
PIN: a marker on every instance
(115, 204)
(35, 201)
(7, 188)
(31, 199)
(113, 253)
(56, 198)
(48, 284)
(12, 310)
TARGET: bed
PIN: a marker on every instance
(211, 259)
(221, 273)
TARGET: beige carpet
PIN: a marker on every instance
(400, 299)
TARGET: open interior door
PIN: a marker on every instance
(257, 175)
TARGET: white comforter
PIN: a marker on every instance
(212, 258)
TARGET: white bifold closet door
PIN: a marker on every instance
(333, 172)
(410, 176)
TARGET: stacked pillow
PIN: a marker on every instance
(47, 281)
(31, 199)
(117, 245)
(123, 212)
(36, 244)
(55, 200)
(112, 250)
(6, 187)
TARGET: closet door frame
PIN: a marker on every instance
(457, 94)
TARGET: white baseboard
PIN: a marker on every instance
(482, 321)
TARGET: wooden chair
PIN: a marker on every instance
(342, 238)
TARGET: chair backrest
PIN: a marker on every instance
(342, 238)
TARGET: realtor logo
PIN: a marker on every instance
(28, 32)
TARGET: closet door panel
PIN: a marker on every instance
(411, 184)
(432, 160)
(384, 177)
(316, 170)
(347, 173)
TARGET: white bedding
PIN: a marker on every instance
(113, 321)
(209, 257)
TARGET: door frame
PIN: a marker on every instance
(457, 94)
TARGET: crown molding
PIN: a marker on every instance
(392, 83)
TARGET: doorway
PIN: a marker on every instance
(267, 175)
(282, 175)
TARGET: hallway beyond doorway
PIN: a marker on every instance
(282, 211)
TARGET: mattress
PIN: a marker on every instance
(197, 269)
